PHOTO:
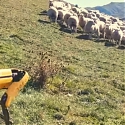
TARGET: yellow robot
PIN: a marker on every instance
(13, 80)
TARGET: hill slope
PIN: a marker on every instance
(89, 90)
(116, 9)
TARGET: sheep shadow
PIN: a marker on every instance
(65, 29)
(43, 21)
(85, 37)
(62, 26)
(79, 31)
(109, 44)
(44, 12)
(122, 47)
(100, 40)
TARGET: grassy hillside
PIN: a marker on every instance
(89, 90)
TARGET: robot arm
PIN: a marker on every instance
(13, 80)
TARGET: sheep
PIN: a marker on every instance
(108, 30)
(123, 38)
(73, 13)
(96, 11)
(91, 15)
(88, 27)
(108, 21)
(76, 10)
(117, 36)
(53, 14)
(50, 3)
(84, 11)
(66, 17)
(73, 23)
(82, 21)
(122, 28)
(114, 19)
(57, 4)
(97, 22)
(95, 29)
(101, 25)
(120, 23)
(61, 14)
(98, 14)
(103, 18)
(68, 6)
(90, 11)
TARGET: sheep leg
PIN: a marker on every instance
(104, 36)
(119, 42)
(90, 35)
(83, 31)
(71, 29)
(97, 38)
(75, 29)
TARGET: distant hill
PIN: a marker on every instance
(116, 9)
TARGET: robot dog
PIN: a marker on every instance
(13, 80)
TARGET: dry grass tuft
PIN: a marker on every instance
(47, 68)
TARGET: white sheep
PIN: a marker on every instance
(123, 38)
(82, 21)
(103, 18)
(88, 26)
(122, 27)
(68, 6)
(84, 11)
(95, 29)
(101, 25)
(73, 23)
(61, 14)
(117, 36)
(91, 15)
(57, 4)
(66, 17)
(53, 14)
(109, 29)
(76, 10)
(107, 32)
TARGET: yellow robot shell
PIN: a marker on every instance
(14, 89)
(5, 72)
(5, 78)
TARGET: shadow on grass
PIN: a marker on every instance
(67, 30)
(64, 29)
(43, 13)
(85, 37)
(109, 44)
(101, 40)
(121, 47)
(43, 21)
(61, 25)
(79, 31)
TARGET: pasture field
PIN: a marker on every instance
(90, 89)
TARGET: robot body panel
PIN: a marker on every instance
(5, 72)
(5, 78)
(13, 80)
(14, 89)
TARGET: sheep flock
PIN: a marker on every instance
(92, 22)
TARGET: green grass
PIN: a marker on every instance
(93, 74)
